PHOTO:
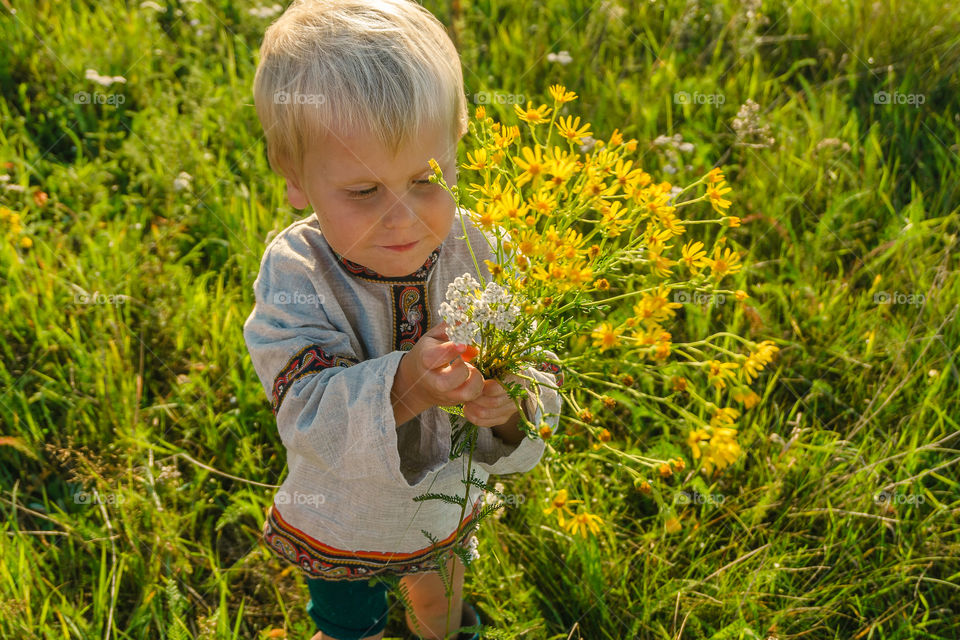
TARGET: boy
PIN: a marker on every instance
(355, 98)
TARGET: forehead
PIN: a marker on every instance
(356, 155)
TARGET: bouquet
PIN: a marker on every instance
(592, 263)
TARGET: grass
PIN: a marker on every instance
(143, 391)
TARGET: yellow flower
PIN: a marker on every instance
(715, 193)
(531, 115)
(532, 163)
(726, 415)
(480, 112)
(477, 160)
(606, 336)
(741, 295)
(487, 215)
(717, 446)
(672, 525)
(561, 95)
(746, 396)
(732, 221)
(714, 176)
(616, 138)
(570, 129)
(694, 256)
(718, 372)
(758, 359)
(26, 242)
(583, 521)
(602, 284)
(661, 265)
(614, 219)
(725, 264)
(559, 504)
(545, 430)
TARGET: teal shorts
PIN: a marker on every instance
(348, 609)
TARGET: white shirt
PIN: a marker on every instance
(326, 336)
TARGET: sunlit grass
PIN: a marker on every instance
(124, 371)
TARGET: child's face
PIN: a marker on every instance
(375, 208)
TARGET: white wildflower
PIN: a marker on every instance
(561, 57)
(265, 12)
(467, 314)
(472, 548)
(182, 181)
(106, 81)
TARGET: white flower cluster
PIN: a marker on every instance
(472, 548)
(466, 313)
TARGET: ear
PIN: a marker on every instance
(295, 193)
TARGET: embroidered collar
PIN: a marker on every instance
(366, 273)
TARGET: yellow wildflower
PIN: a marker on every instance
(477, 161)
(561, 95)
(531, 115)
(715, 193)
(726, 415)
(606, 336)
(480, 112)
(583, 521)
(694, 256)
(560, 503)
(616, 138)
(714, 176)
(718, 372)
(725, 264)
(26, 242)
(570, 129)
(532, 163)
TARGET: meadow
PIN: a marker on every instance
(138, 452)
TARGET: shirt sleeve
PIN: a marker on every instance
(332, 407)
(542, 405)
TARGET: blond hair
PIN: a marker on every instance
(386, 67)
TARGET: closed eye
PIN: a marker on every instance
(364, 193)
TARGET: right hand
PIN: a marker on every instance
(437, 372)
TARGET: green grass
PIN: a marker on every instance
(152, 400)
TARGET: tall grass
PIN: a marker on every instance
(138, 448)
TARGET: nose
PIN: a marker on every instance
(400, 213)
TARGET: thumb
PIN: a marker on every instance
(440, 355)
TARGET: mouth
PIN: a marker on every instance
(401, 247)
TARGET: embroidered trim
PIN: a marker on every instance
(310, 359)
(318, 560)
(549, 367)
(411, 315)
(369, 274)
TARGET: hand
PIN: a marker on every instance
(492, 408)
(434, 373)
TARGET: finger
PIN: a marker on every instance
(436, 356)
(439, 332)
(451, 376)
(493, 389)
(471, 388)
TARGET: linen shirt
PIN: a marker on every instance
(326, 336)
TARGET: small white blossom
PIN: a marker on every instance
(472, 548)
(182, 181)
(561, 57)
(265, 12)
(106, 81)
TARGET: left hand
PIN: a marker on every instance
(493, 407)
